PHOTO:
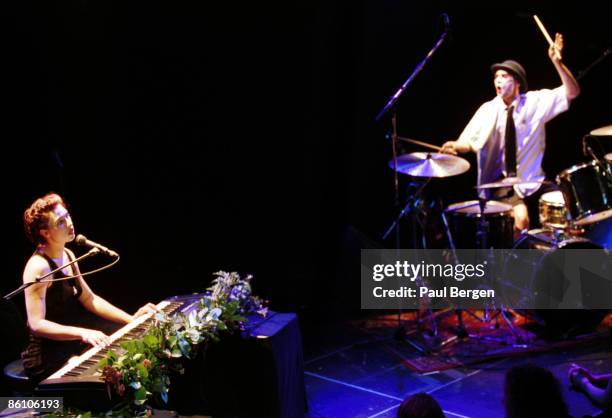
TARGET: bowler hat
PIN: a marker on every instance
(515, 69)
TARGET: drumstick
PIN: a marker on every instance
(421, 143)
(546, 35)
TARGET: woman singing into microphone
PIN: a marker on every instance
(56, 309)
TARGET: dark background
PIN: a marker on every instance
(193, 137)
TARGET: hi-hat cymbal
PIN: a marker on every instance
(508, 182)
(603, 131)
(430, 164)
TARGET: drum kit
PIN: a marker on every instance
(581, 210)
(576, 216)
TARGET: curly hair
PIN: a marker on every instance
(36, 217)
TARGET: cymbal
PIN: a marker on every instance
(430, 164)
(603, 131)
(608, 157)
(472, 207)
(509, 182)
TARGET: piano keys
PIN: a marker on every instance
(80, 382)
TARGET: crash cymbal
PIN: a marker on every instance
(603, 131)
(508, 182)
(430, 164)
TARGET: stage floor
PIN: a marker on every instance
(354, 371)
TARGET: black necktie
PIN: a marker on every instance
(510, 144)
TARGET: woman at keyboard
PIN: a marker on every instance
(56, 309)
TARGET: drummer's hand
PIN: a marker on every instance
(521, 217)
(449, 147)
(554, 51)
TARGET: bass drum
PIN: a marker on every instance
(559, 322)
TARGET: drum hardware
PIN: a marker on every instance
(587, 150)
(412, 208)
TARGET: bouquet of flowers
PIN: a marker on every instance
(142, 368)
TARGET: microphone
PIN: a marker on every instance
(446, 20)
(84, 242)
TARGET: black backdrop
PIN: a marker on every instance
(198, 136)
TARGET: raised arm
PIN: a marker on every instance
(572, 88)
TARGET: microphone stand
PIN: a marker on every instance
(394, 99)
(24, 286)
(584, 72)
(391, 107)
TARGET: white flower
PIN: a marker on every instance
(193, 319)
(202, 313)
(194, 335)
(214, 314)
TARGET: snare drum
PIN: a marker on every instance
(587, 189)
(463, 219)
(553, 213)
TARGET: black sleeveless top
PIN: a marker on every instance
(44, 356)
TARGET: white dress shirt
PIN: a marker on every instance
(485, 135)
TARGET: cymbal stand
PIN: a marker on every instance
(412, 209)
(587, 150)
(482, 235)
(482, 228)
(431, 337)
(414, 199)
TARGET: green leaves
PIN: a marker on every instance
(142, 367)
(150, 340)
(140, 396)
